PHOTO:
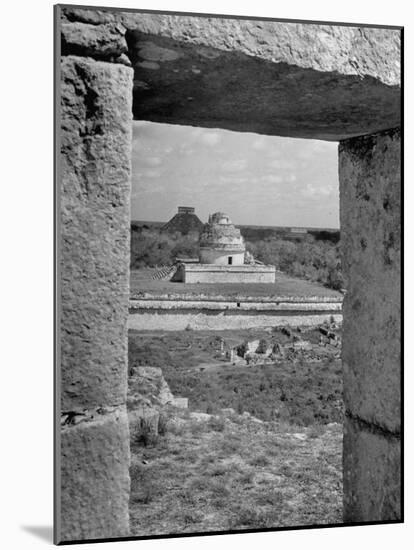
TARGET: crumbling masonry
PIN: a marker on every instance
(286, 79)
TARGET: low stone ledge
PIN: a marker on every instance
(194, 297)
(99, 41)
(225, 320)
(94, 479)
(372, 475)
(171, 305)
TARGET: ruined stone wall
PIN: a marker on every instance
(219, 320)
(216, 273)
(95, 123)
(171, 314)
(370, 191)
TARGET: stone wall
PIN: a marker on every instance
(220, 257)
(95, 121)
(171, 314)
(370, 188)
(212, 273)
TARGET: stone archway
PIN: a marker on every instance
(314, 81)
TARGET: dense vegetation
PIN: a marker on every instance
(154, 248)
(310, 258)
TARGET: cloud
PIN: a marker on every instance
(185, 148)
(259, 143)
(152, 161)
(272, 178)
(144, 190)
(281, 164)
(152, 173)
(262, 179)
(209, 139)
(140, 123)
(312, 190)
(236, 165)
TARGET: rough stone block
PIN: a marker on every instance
(101, 41)
(180, 402)
(95, 197)
(95, 479)
(370, 187)
(372, 475)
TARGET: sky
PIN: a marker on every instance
(255, 179)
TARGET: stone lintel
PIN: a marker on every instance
(277, 78)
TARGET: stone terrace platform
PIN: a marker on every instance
(165, 305)
(142, 285)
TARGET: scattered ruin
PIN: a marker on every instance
(296, 348)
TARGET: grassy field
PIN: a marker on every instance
(235, 474)
(298, 392)
(141, 282)
(275, 460)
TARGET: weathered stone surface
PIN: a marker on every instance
(370, 190)
(288, 79)
(146, 385)
(372, 475)
(219, 272)
(100, 41)
(95, 479)
(92, 16)
(180, 402)
(347, 50)
(95, 197)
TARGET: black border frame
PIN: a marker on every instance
(56, 275)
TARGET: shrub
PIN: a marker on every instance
(145, 434)
(211, 408)
(217, 423)
(162, 424)
(262, 347)
(260, 460)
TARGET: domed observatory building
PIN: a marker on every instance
(223, 257)
(221, 242)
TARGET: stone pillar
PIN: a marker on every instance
(370, 191)
(95, 121)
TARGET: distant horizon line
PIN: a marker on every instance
(308, 227)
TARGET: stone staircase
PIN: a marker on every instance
(164, 273)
